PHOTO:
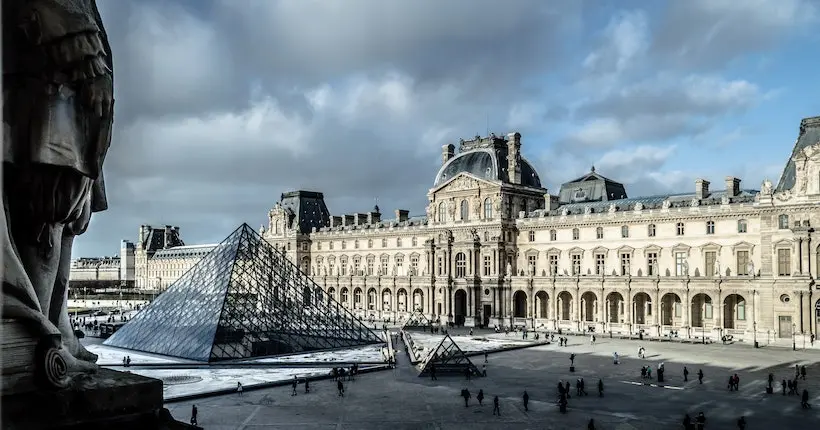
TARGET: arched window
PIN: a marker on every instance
(442, 212)
(465, 210)
(277, 227)
(461, 265)
(488, 208)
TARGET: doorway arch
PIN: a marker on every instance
(564, 305)
(460, 306)
(520, 304)
(542, 307)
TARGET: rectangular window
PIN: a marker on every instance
(599, 233)
(344, 267)
(384, 267)
(553, 235)
(784, 262)
(625, 232)
(742, 227)
(461, 268)
(532, 236)
(709, 263)
(650, 230)
(743, 263)
(553, 264)
(576, 264)
(600, 264)
(626, 263)
(330, 244)
(400, 267)
(576, 234)
(319, 246)
(357, 267)
(440, 266)
(304, 246)
(370, 264)
(531, 264)
(488, 265)
(652, 263)
(414, 264)
(680, 263)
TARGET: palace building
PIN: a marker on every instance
(497, 248)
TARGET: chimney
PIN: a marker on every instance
(701, 189)
(550, 202)
(447, 152)
(166, 237)
(142, 236)
(732, 186)
(335, 221)
(374, 217)
(514, 157)
(402, 215)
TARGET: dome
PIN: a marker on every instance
(486, 163)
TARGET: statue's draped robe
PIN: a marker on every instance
(53, 145)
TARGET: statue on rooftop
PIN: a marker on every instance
(58, 92)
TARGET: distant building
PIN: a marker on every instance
(102, 272)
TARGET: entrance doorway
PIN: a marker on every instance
(785, 326)
(460, 300)
(485, 317)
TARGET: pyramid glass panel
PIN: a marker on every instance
(258, 304)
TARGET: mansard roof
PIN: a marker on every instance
(809, 135)
(591, 187)
(486, 158)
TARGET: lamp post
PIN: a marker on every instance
(794, 338)
(754, 332)
(703, 322)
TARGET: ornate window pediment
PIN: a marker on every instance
(531, 251)
(398, 256)
(626, 249)
(415, 254)
(370, 257)
(600, 250)
(682, 247)
(576, 250)
(710, 246)
(652, 248)
(783, 243)
(553, 251)
(743, 246)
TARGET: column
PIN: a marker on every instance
(687, 309)
(495, 300)
(799, 255)
(656, 312)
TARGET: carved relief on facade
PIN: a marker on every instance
(476, 204)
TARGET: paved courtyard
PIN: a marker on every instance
(398, 399)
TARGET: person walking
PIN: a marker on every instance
(239, 388)
(293, 385)
(741, 423)
(687, 422)
(466, 394)
(433, 372)
(591, 424)
(700, 376)
(193, 415)
(340, 388)
(615, 357)
(526, 401)
(804, 400)
(496, 409)
(700, 421)
(486, 357)
(307, 386)
(484, 370)
(480, 397)
(803, 372)
(685, 374)
(600, 388)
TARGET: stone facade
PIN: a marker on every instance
(494, 251)
(95, 269)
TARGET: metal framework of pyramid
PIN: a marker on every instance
(244, 299)
(448, 358)
(417, 320)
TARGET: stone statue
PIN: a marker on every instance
(509, 270)
(474, 235)
(666, 204)
(638, 206)
(717, 268)
(613, 208)
(451, 209)
(58, 117)
(766, 187)
(588, 210)
(725, 200)
(431, 212)
(750, 267)
(694, 203)
(262, 230)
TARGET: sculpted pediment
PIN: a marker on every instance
(531, 251)
(710, 246)
(600, 250)
(462, 181)
(626, 248)
(553, 251)
(576, 250)
(652, 248)
(783, 243)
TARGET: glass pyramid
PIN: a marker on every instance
(417, 320)
(244, 299)
(447, 357)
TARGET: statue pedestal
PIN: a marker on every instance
(104, 400)
(107, 399)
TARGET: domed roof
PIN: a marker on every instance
(487, 163)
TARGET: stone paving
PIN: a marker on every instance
(398, 399)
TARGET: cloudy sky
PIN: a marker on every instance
(222, 105)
